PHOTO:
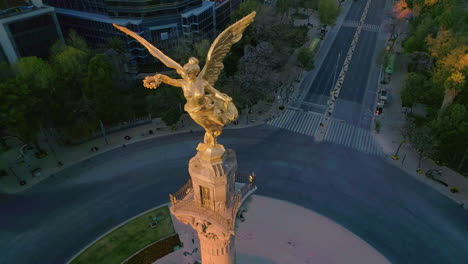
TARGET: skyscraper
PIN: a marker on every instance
(166, 24)
(27, 28)
(224, 8)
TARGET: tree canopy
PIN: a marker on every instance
(438, 42)
(328, 11)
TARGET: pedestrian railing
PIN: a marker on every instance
(190, 205)
(249, 183)
(242, 177)
(225, 217)
(181, 193)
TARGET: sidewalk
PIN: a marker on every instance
(259, 240)
(392, 120)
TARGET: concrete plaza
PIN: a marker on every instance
(276, 232)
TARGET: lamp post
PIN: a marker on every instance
(103, 130)
(395, 156)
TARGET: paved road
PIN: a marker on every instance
(402, 218)
(340, 132)
(353, 105)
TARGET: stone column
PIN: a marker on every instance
(216, 250)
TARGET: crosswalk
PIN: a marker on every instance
(372, 28)
(301, 122)
(339, 132)
(367, 27)
(350, 23)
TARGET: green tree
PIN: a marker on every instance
(306, 58)
(328, 11)
(19, 111)
(70, 67)
(245, 8)
(282, 7)
(116, 44)
(422, 140)
(77, 41)
(451, 130)
(201, 50)
(166, 103)
(57, 48)
(40, 78)
(99, 88)
(415, 89)
(418, 33)
(309, 4)
(37, 73)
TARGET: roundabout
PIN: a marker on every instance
(292, 234)
(402, 219)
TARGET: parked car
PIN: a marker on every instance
(433, 173)
(383, 95)
(37, 172)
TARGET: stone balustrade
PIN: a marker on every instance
(182, 200)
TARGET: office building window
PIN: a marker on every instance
(34, 36)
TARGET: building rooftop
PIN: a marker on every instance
(12, 8)
(7, 4)
(197, 11)
(98, 17)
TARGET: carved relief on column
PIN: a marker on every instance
(209, 232)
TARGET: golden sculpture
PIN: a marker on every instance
(207, 106)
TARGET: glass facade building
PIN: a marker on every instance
(92, 6)
(27, 30)
(224, 8)
(164, 23)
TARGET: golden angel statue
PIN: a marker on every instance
(207, 106)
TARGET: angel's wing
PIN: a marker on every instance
(221, 46)
(154, 51)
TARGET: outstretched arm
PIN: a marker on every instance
(152, 82)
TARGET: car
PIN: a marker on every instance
(36, 172)
(383, 95)
(378, 110)
(433, 173)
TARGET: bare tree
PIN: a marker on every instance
(422, 140)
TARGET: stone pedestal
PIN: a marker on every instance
(218, 251)
(209, 202)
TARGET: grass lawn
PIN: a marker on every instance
(128, 239)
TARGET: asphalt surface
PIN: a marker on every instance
(352, 106)
(403, 219)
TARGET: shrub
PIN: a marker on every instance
(377, 125)
(454, 189)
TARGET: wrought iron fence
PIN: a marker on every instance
(181, 193)
(224, 218)
(243, 177)
(197, 208)
(235, 202)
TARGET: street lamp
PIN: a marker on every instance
(395, 156)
